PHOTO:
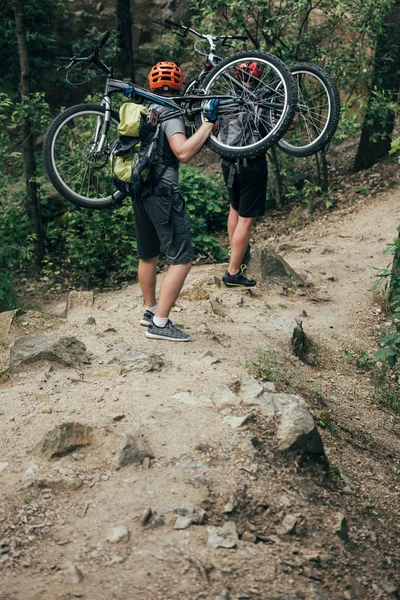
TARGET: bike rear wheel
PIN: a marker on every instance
(76, 156)
(259, 115)
(317, 110)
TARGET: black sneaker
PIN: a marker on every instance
(169, 332)
(238, 280)
(147, 319)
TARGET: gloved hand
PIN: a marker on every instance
(210, 110)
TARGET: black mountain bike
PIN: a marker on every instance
(78, 143)
(318, 101)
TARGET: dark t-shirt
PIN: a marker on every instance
(166, 167)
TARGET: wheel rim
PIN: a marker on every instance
(265, 105)
(313, 111)
(83, 171)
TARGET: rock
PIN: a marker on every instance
(67, 351)
(340, 526)
(6, 319)
(248, 537)
(288, 524)
(223, 537)
(298, 432)
(54, 483)
(218, 395)
(60, 310)
(133, 450)
(3, 466)
(271, 269)
(118, 534)
(217, 309)
(236, 422)
(145, 516)
(250, 390)
(106, 371)
(118, 417)
(183, 522)
(300, 343)
(72, 574)
(196, 291)
(63, 439)
(79, 300)
(134, 360)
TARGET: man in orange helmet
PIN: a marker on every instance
(161, 219)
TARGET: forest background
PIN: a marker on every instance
(42, 237)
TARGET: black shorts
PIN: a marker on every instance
(249, 189)
(162, 222)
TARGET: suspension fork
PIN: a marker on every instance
(102, 127)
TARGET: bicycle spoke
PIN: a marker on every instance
(74, 153)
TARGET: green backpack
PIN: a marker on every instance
(132, 156)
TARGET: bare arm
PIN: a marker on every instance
(185, 148)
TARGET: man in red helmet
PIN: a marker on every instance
(161, 219)
(246, 181)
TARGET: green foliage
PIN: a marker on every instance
(98, 247)
(386, 388)
(40, 19)
(208, 205)
(389, 278)
(270, 366)
(310, 194)
(359, 357)
(395, 147)
(15, 246)
(89, 247)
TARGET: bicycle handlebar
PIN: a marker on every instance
(215, 38)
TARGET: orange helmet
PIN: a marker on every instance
(245, 70)
(165, 73)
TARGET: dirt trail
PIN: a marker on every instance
(57, 546)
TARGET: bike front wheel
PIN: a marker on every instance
(262, 106)
(76, 154)
(317, 111)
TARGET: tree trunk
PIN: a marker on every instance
(376, 132)
(124, 27)
(28, 153)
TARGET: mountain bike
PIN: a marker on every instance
(318, 101)
(78, 143)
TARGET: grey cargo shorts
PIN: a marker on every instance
(161, 221)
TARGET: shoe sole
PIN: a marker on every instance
(144, 323)
(240, 285)
(165, 337)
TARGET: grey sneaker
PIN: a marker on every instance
(169, 332)
(147, 319)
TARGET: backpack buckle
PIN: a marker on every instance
(152, 117)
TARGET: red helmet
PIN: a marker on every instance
(245, 71)
(165, 73)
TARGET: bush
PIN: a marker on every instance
(98, 247)
(90, 247)
(15, 247)
(208, 206)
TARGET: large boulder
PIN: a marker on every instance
(269, 269)
(67, 351)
